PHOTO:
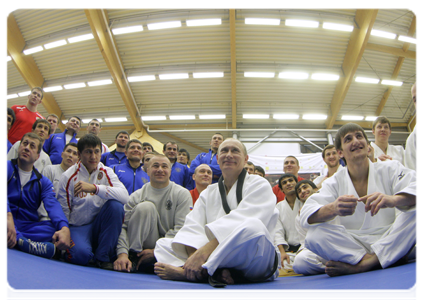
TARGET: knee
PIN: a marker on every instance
(145, 209)
(79, 254)
(300, 264)
(114, 208)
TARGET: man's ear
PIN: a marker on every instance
(340, 153)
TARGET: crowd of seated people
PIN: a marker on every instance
(136, 210)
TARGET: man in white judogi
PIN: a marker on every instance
(225, 246)
(364, 216)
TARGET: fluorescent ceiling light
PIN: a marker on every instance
(74, 85)
(339, 27)
(33, 50)
(163, 25)
(185, 117)
(208, 75)
(64, 121)
(120, 119)
(141, 78)
(384, 34)
(11, 96)
(204, 22)
(86, 121)
(9, 10)
(260, 74)
(301, 23)
(212, 117)
(23, 94)
(100, 82)
(255, 116)
(52, 88)
(153, 118)
(293, 75)
(262, 21)
(173, 76)
(314, 117)
(8, 58)
(392, 82)
(81, 38)
(371, 118)
(367, 80)
(55, 44)
(323, 76)
(129, 29)
(286, 116)
(407, 39)
(352, 118)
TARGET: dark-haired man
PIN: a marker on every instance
(331, 158)
(292, 166)
(366, 212)
(41, 128)
(56, 143)
(117, 156)
(179, 173)
(131, 173)
(26, 115)
(209, 158)
(94, 127)
(92, 199)
(27, 189)
(183, 157)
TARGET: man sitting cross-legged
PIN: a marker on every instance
(92, 199)
(156, 210)
(364, 216)
(26, 190)
(228, 236)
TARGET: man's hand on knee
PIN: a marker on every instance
(61, 238)
(122, 263)
(146, 256)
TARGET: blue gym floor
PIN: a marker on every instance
(25, 271)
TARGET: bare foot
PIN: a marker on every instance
(169, 272)
(226, 277)
(337, 268)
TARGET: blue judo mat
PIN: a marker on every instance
(25, 271)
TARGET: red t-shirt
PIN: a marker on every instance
(194, 195)
(24, 119)
(280, 196)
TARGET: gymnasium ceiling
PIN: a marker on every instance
(233, 48)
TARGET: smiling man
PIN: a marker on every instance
(156, 210)
(364, 216)
(41, 128)
(92, 199)
(131, 173)
(228, 237)
(203, 178)
(331, 158)
(26, 115)
(287, 237)
(56, 143)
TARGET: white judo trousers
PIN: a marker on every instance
(389, 234)
(245, 235)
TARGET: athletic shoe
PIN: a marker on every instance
(43, 249)
(105, 265)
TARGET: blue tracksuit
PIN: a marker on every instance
(113, 158)
(132, 179)
(208, 159)
(55, 144)
(180, 175)
(24, 203)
